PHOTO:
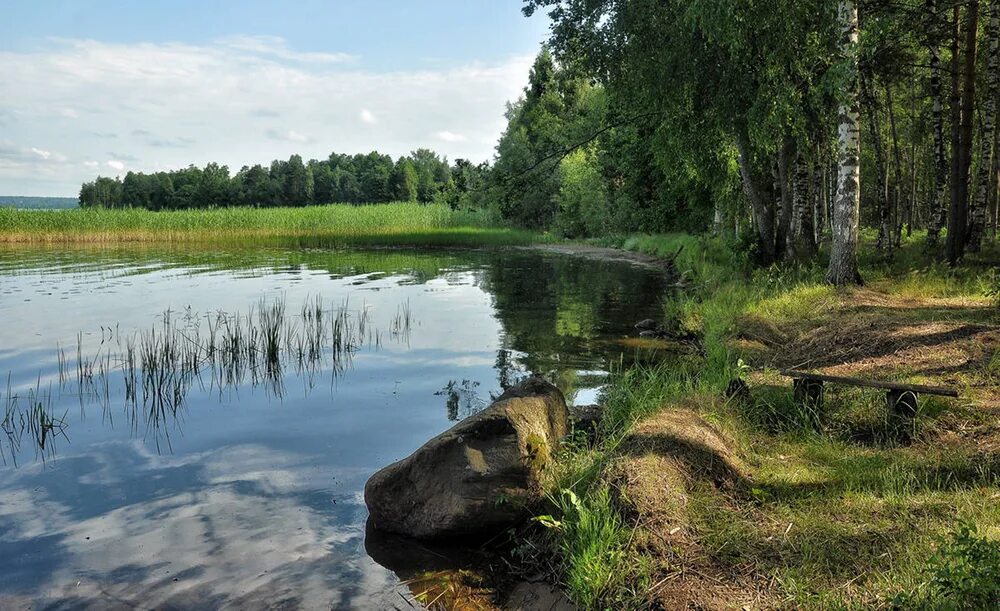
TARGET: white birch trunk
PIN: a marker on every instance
(977, 214)
(939, 208)
(843, 268)
(802, 209)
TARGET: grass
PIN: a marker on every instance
(846, 509)
(402, 224)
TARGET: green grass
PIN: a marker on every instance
(842, 514)
(337, 224)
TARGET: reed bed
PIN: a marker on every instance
(403, 224)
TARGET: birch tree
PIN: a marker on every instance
(843, 268)
(804, 244)
(977, 212)
(939, 213)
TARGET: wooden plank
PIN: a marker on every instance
(926, 390)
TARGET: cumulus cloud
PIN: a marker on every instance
(367, 117)
(447, 136)
(234, 101)
(19, 155)
(114, 164)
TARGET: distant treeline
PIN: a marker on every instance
(37, 203)
(362, 179)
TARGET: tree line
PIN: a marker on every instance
(784, 124)
(360, 179)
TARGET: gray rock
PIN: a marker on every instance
(646, 325)
(478, 477)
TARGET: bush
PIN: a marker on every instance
(963, 574)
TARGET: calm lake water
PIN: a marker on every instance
(172, 438)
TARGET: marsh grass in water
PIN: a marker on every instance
(30, 416)
(215, 352)
(403, 224)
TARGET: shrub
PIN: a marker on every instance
(963, 574)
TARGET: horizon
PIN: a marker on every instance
(107, 88)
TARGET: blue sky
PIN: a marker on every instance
(93, 87)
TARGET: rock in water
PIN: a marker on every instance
(479, 476)
(646, 325)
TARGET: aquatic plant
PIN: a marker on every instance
(156, 368)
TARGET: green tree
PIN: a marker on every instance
(404, 181)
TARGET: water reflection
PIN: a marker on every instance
(243, 525)
(236, 477)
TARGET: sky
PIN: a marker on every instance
(102, 87)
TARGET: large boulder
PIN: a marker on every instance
(479, 476)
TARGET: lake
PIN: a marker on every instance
(194, 428)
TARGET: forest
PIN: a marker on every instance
(357, 179)
(757, 121)
(761, 120)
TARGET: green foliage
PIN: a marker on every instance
(357, 179)
(404, 181)
(582, 196)
(993, 288)
(963, 574)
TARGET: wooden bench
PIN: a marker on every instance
(901, 399)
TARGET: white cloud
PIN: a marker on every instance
(92, 164)
(367, 117)
(287, 136)
(235, 102)
(447, 136)
(275, 46)
(41, 153)
(116, 165)
(69, 113)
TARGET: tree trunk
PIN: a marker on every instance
(885, 229)
(819, 197)
(912, 203)
(938, 211)
(977, 212)
(996, 181)
(804, 242)
(962, 151)
(843, 268)
(897, 187)
(760, 206)
(784, 171)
